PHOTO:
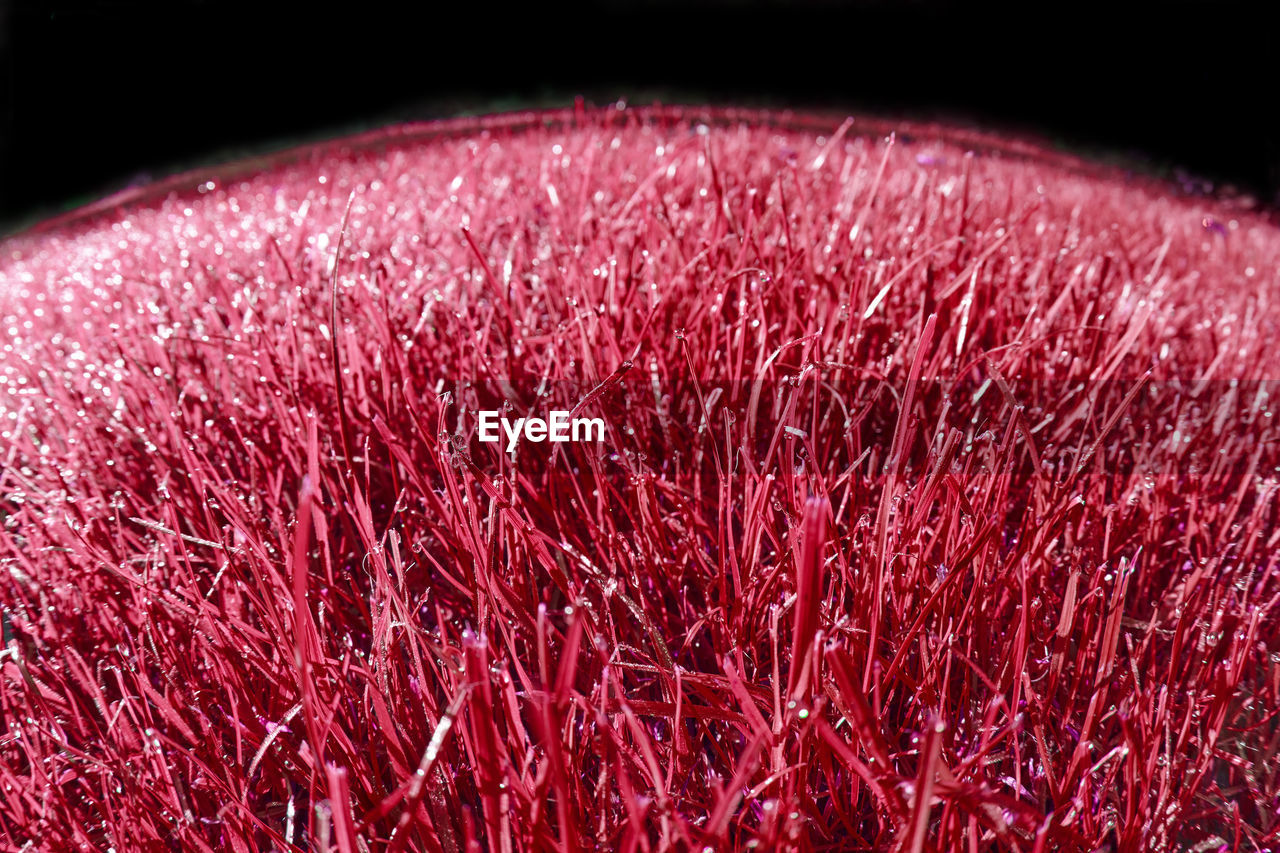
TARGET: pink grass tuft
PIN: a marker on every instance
(937, 507)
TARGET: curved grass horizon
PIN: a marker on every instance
(935, 507)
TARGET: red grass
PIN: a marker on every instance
(937, 509)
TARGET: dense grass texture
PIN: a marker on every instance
(937, 506)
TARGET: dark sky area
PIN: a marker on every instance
(95, 94)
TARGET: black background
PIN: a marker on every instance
(100, 93)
